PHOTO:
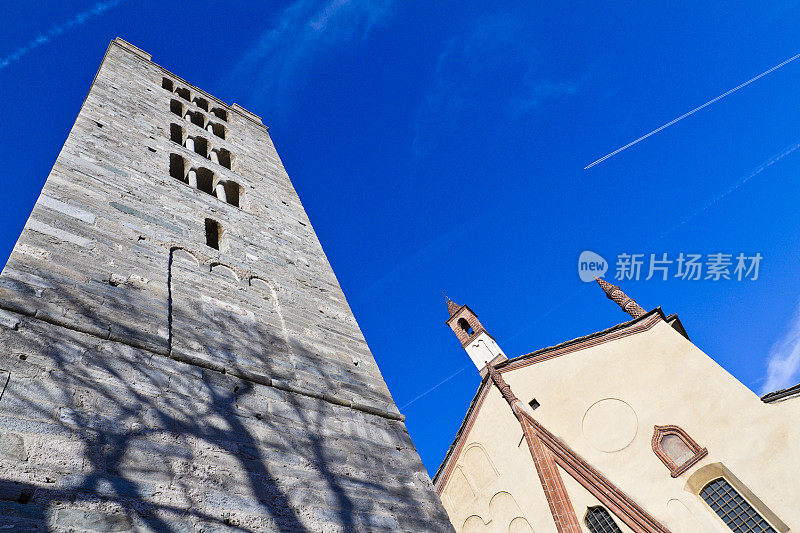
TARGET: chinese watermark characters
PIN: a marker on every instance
(685, 266)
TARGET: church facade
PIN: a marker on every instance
(178, 355)
(630, 429)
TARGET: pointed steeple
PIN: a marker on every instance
(626, 303)
(452, 307)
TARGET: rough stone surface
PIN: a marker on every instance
(157, 384)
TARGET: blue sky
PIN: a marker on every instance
(442, 145)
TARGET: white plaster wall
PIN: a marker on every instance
(516, 474)
(664, 379)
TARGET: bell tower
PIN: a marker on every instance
(480, 346)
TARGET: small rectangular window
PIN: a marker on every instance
(224, 158)
(176, 133)
(205, 180)
(233, 193)
(213, 233)
(177, 167)
(176, 107)
(201, 146)
(167, 84)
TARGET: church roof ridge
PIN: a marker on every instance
(576, 340)
(782, 394)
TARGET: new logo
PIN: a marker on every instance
(590, 265)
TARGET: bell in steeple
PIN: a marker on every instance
(480, 346)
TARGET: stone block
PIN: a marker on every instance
(92, 520)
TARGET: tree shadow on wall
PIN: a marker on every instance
(119, 438)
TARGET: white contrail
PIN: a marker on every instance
(445, 380)
(55, 31)
(692, 112)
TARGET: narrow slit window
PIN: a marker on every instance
(220, 113)
(176, 107)
(233, 193)
(176, 133)
(733, 509)
(167, 84)
(205, 180)
(213, 233)
(202, 103)
(177, 167)
(183, 93)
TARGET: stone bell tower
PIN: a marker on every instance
(177, 354)
(480, 346)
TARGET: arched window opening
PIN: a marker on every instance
(224, 157)
(465, 327)
(177, 167)
(216, 129)
(202, 103)
(676, 449)
(213, 233)
(233, 193)
(196, 118)
(167, 84)
(205, 180)
(599, 521)
(176, 107)
(733, 509)
(220, 113)
(200, 146)
(183, 93)
(176, 133)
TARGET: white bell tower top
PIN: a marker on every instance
(480, 346)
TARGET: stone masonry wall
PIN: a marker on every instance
(153, 383)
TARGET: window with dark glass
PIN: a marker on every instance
(733, 509)
(599, 521)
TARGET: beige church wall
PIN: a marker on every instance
(604, 402)
(498, 492)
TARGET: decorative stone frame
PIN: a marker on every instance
(659, 432)
(708, 473)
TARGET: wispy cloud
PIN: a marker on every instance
(489, 69)
(55, 31)
(279, 60)
(783, 363)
